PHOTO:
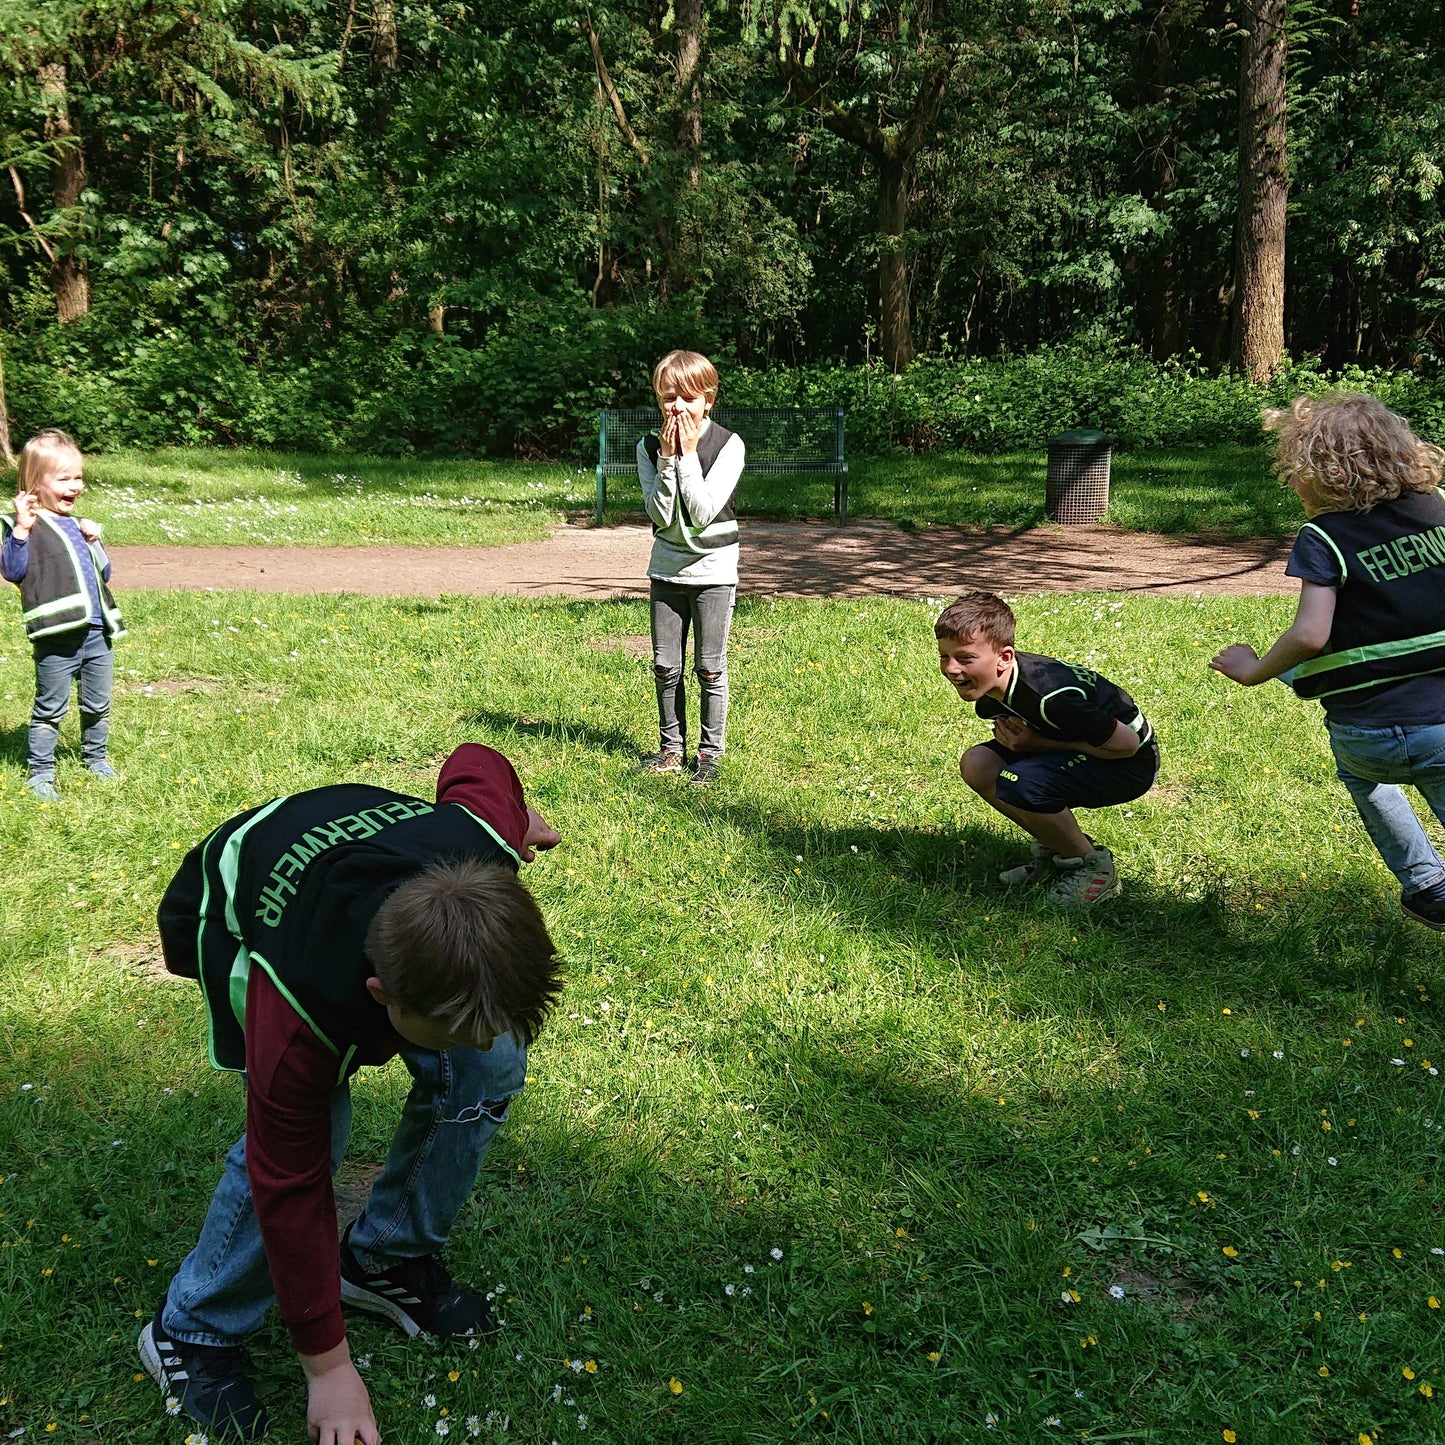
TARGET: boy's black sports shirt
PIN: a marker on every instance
(1065, 702)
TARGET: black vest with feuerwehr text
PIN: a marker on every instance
(1389, 620)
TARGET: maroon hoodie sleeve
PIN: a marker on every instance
(485, 783)
(290, 1077)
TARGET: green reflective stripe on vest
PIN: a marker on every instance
(238, 972)
(291, 999)
(497, 838)
(1045, 701)
(346, 1059)
(1374, 652)
(1339, 556)
(46, 608)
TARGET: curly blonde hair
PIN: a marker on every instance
(1351, 450)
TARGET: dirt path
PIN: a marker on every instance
(793, 559)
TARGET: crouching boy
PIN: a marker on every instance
(1063, 738)
(330, 929)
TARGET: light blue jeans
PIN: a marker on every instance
(457, 1102)
(57, 665)
(1372, 763)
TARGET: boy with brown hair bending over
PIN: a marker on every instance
(330, 929)
(1063, 738)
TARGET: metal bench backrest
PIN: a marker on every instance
(781, 440)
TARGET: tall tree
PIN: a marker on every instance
(1259, 278)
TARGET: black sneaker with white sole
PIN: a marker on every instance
(417, 1294)
(1426, 906)
(208, 1382)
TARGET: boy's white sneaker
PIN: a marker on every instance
(1086, 880)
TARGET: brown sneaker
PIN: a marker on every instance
(706, 769)
(665, 760)
(1086, 880)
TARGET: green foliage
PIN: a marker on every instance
(532, 389)
(800, 1016)
(1001, 404)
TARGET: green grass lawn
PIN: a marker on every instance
(831, 1138)
(282, 499)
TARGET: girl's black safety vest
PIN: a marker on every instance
(292, 887)
(53, 591)
(1389, 618)
(722, 531)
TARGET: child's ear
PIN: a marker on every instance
(375, 989)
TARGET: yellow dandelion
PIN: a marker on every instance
(1398, 1253)
(454, 1375)
(1428, 1391)
(1231, 1252)
(867, 1307)
(590, 1367)
(1229, 1436)
(1433, 1303)
(1408, 1373)
(675, 1385)
(933, 1357)
(1324, 1372)
(1363, 1439)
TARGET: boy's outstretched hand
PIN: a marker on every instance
(1237, 662)
(540, 834)
(338, 1409)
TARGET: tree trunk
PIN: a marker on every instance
(895, 322)
(385, 48)
(68, 273)
(7, 450)
(688, 23)
(1263, 192)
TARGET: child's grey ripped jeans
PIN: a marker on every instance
(708, 611)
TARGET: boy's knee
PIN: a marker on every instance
(979, 768)
(709, 677)
(667, 673)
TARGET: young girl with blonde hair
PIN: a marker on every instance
(1368, 639)
(56, 560)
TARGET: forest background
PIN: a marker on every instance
(427, 226)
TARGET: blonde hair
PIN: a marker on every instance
(39, 455)
(689, 372)
(1352, 450)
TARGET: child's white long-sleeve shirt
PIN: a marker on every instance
(676, 553)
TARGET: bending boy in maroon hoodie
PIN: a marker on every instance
(331, 929)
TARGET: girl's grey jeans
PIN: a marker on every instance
(708, 611)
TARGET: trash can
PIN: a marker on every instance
(1077, 489)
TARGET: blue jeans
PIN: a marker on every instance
(1371, 763)
(458, 1100)
(57, 665)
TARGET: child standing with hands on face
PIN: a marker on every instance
(57, 561)
(689, 472)
(1367, 637)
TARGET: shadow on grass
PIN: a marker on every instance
(565, 730)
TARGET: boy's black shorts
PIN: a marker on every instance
(1051, 782)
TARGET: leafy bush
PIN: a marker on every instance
(532, 385)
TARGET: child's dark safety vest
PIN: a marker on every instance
(53, 591)
(1389, 618)
(722, 531)
(292, 887)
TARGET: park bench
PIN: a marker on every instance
(781, 441)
